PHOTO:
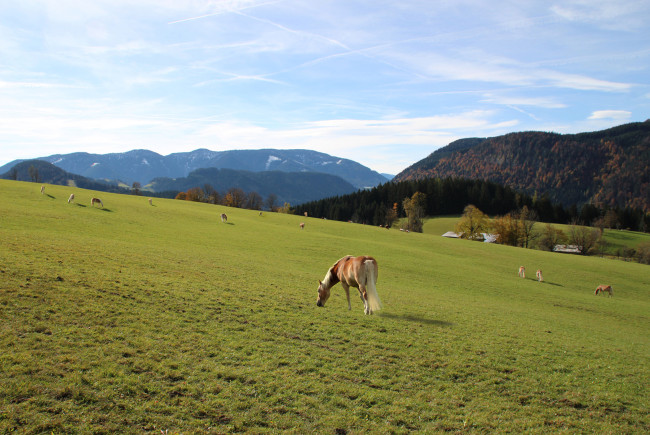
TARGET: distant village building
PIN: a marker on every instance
(487, 237)
(567, 249)
(490, 238)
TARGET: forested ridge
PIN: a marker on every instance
(609, 168)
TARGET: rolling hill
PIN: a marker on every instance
(609, 167)
(43, 172)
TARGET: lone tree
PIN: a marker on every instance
(586, 238)
(414, 208)
(528, 219)
(550, 237)
(472, 224)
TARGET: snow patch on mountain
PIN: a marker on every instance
(270, 160)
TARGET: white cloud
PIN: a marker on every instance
(608, 14)
(543, 102)
(614, 115)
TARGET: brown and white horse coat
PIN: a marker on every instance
(604, 288)
(224, 218)
(359, 272)
(96, 201)
(539, 276)
(522, 272)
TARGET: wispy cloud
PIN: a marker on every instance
(382, 83)
(609, 14)
(614, 115)
(543, 102)
(226, 7)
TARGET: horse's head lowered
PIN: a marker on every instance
(323, 294)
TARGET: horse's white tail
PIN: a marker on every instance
(371, 285)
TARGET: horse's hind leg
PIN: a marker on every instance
(364, 297)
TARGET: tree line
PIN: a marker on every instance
(233, 197)
(516, 229)
(449, 196)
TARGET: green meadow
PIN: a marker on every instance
(147, 319)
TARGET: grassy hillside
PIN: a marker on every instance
(140, 318)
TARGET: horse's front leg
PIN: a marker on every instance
(347, 293)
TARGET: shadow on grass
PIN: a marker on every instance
(79, 205)
(547, 282)
(416, 319)
(50, 196)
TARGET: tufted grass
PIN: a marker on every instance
(138, 319)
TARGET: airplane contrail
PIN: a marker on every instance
(224, 12)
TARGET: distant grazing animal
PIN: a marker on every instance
(604, 288)
(150, 201)
(305, 214)
(359, 272)
(224, 218)
(260, 213)
(302, 225)
(71, 199)
(96, 201)
(43, 189)
(539, 276)
(522, 272)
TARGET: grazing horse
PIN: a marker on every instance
(522, 272)
(604, 288)
(96, 201)
(539, 276)
(43, 189)
(359, 272)
(150, 201)
(224, 218)
(71, 199)
(302, 225)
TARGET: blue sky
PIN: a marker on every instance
(383, 83)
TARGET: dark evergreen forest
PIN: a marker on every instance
(449, 196)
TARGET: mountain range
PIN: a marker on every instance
(291, 187)
(609, 167)
(142, 166)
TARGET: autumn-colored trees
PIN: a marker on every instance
(235, 197)
(472, 224)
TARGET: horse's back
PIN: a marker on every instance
(354, 269)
